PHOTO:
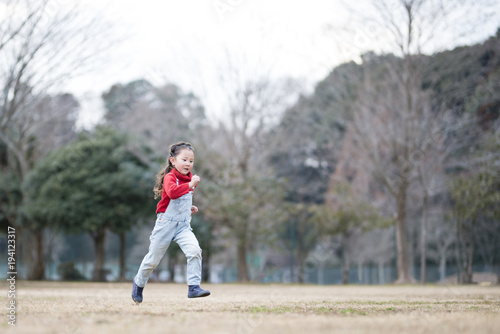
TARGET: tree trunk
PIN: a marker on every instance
(123, 242)
(469, 272)
(345, 258)
(458, 258)
(301, 269)
(301, 257)
(381, 274)
(423, 239)
(442, 268)
(205, 269)
(171, 267)
(99, 274)
(464, 252)
(321, 273)
(360, 272)
(38, 270)
(401, 238)
(242, 262)
(345, 271)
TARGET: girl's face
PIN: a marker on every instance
(183, 161)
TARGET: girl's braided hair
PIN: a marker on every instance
(175, 149)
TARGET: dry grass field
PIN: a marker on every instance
(80, 308)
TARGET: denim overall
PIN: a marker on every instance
(174, 224)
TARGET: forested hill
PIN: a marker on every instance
(462, 81)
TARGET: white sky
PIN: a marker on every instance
(186, 42)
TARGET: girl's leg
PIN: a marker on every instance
(189, 244)
(160, 239)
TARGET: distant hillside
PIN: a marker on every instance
(309, 138)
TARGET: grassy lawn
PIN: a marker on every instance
(78, 308)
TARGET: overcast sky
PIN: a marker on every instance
(188, 42)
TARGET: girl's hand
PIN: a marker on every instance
(194, 181)
(194, 210)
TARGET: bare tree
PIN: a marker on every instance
(244, 189)
(42, 44)
(391, 128)
(441, 236)
(395, 120)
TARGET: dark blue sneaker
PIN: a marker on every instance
(195, 291)
(137, 293)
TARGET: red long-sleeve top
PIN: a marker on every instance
(175, 185)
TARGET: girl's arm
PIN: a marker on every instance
(174, 190)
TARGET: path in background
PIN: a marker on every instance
(79, 308)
